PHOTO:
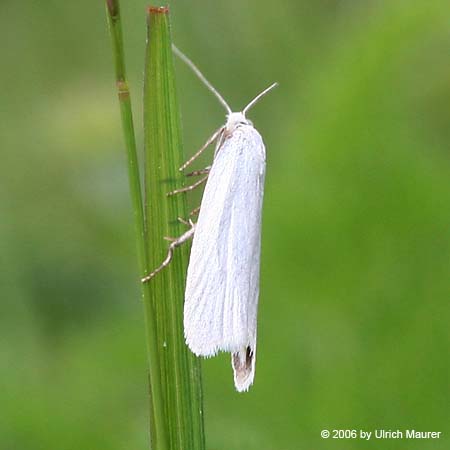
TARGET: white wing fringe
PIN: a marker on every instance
(243, 363)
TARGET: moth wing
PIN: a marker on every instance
(223, 275)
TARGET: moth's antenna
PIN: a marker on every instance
(259, 96)
(197, 72)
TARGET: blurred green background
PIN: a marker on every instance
(353, 320)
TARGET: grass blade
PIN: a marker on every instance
(158, 426)
(180, 370)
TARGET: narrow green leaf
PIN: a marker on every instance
(180, 370)
(158, 425)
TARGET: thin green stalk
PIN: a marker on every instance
(158, 428)
(180, 370)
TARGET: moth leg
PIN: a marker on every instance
(184, 222)
(194, 211)
(204, 171)
(188, 223)
(202, 149)
(173, 245)
(188, 188)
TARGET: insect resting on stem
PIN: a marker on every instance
(222, 285)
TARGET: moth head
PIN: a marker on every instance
(235, 120)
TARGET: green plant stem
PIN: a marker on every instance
(180, 369)
(158, 429)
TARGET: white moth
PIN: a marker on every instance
(222, 287)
